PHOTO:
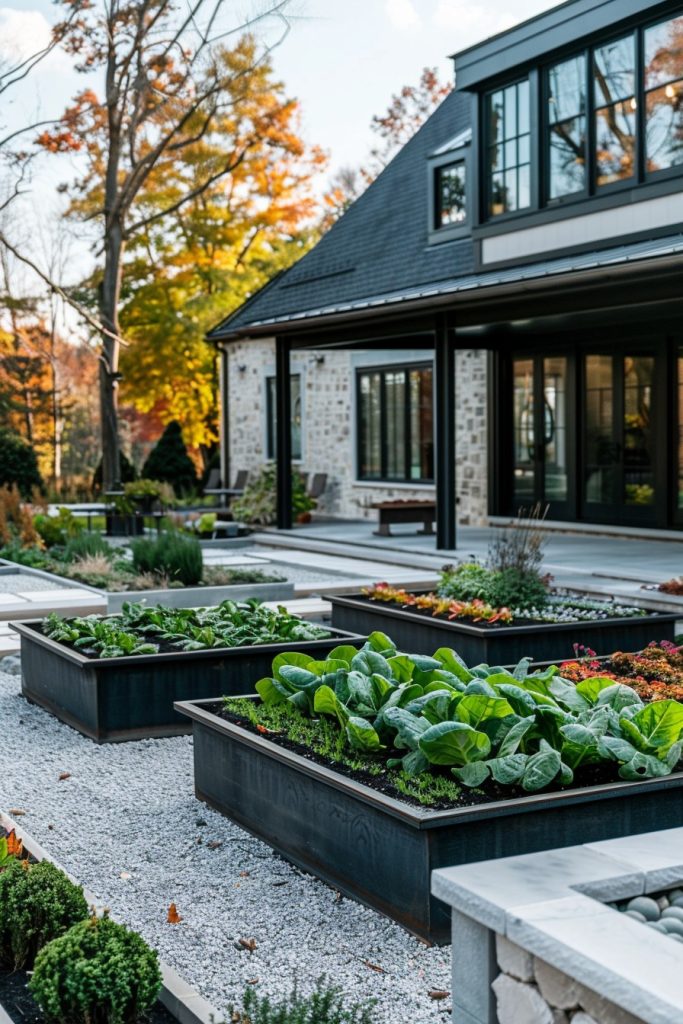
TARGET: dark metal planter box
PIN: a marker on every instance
(130, 698)
(382, 851)
(498, 645)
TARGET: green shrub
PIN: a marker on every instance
(32, 557)
(325, 1005)
(57, 529)
(97, 973)
(258, 504)
(515, 588)
(170, 554)
(18, 463)
(169, 461)
(466, 582)
(86, 545)
(38, 903)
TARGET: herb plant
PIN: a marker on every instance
(99, 972)
(325, 1005)
(38, 903)
(516, 728)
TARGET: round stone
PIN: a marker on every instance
(677, 902)
(675, 937)
(674, 912)
(635, 914)
(675, 894)
(673, 926)
(658, 927)
(645, 906)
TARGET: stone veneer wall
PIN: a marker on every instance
(329, 439)
(530, 991)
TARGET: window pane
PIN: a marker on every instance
(664, 127)
(271, 416)
(421, 425)
(370, 427)
(638, 439)
(555, 428)
(680, 428)
(567, 157)
(664, 53)
(509, 173)
(567, 89)
(615, 141)
(523, 431)
(451, 195)
(395, 399)
(601, 451)
(614, 71)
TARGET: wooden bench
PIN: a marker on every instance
(395, 512)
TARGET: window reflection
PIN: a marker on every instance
(616, 110)
(509, 151)
(567, 120)
(664, 94)
(271, 416)
(451, 207)
(395, 425)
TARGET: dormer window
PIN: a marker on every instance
(450, 195)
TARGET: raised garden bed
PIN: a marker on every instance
(128, 698)
(381, 850)
(498, 643)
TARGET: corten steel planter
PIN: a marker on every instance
(110, 699)
(382, 851)
(498, 644)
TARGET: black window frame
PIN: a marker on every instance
(271, 417)
(487, 176)
(438, 171)
(384, 478)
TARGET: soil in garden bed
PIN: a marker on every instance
(23, 1009)
(165, 647)
(389, 781)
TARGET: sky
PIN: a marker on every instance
(343, 59)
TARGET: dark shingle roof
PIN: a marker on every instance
(380, 245)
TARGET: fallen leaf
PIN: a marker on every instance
(244, 874)
(250, 944)
(280, 883)
(64, 775)
(173, 917)
(437, 993)
(267, 732)
(252, 981)
(16, 812)
(374, 967)
(15, 847)
(214, 844)
(50, 827)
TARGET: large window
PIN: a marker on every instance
(508, 149)
(567, 127)
(395, 424)
(271, 416)
(663, 46)
(450, 195)
(614, 91)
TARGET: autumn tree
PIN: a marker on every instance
(185, 273)
(406, 113)
(164, 90)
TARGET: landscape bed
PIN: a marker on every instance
(131, 697)
(498, 642)
(350, 741)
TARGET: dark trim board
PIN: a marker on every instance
(380, 850)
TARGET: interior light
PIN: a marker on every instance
(670, 91)
(634, 103)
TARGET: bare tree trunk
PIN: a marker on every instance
(109, 360)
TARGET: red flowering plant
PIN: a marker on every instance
(476, 609)
(655, 673)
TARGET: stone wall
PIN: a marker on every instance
(328, 426)
(529, 990)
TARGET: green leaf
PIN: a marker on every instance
(541, 769)
(656, 727)
(453, 663)
(480, 686)
(409, 727)
(521, 702)
(616, 748)
(514, 737)
(580, 744)
(290, 658)
(472, 774)
(345, 653)
(618, 697)
(413, 763)
(269, 692)
(380, 642)
(477, 708)
(326, 702)
(454, 743)
(362, 736)
(521, 669)
(644, 766)
(402, 668)
(591, 688)
(508, 770)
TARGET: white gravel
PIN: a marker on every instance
(15, 582)
(127, 825)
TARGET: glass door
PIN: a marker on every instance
(619, 478)
(541, 436)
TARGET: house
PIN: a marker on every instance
(500, 316)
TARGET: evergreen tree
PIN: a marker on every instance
(169, 461)
(18, 463)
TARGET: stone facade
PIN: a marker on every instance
(530, 991)
(328, 424)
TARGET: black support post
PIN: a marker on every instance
(283, 437)
(444, 393)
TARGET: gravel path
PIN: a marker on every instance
(14, 582)
(127, 825)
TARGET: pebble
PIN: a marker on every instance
(673, 912)
(126, 825)
(645, 906)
